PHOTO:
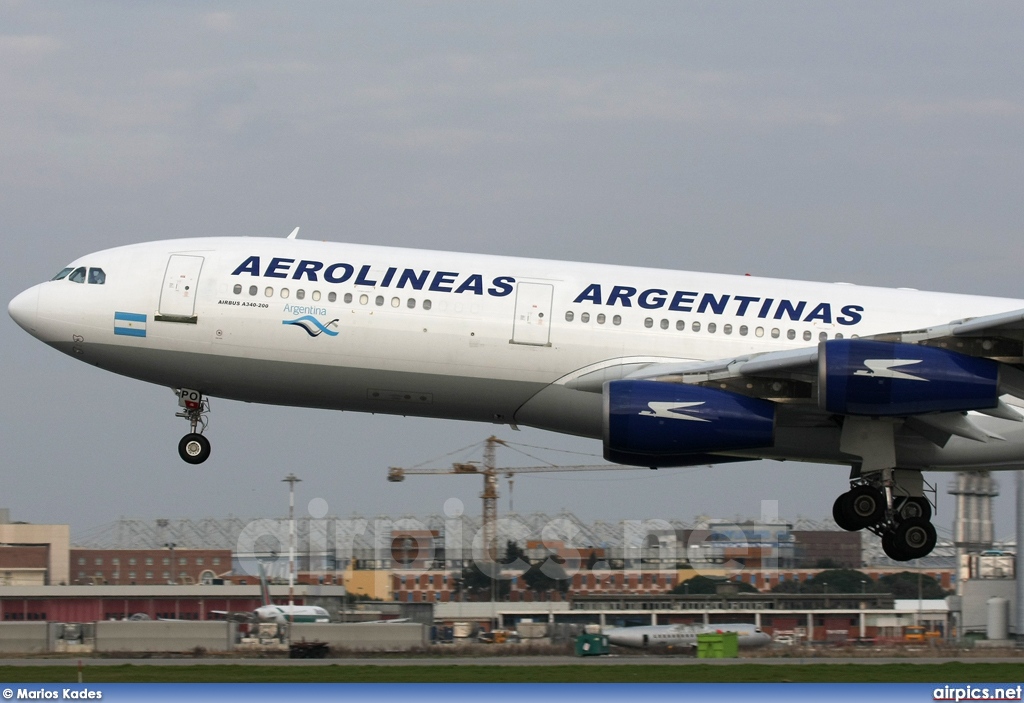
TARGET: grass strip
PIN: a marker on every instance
(469, 673)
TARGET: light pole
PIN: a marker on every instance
(291, 480)
(171, 546)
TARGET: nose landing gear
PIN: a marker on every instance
(194, 447)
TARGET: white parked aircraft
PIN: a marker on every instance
(888, 382)
(683, 635)
(282, 614)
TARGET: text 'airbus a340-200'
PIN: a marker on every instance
(666, 368)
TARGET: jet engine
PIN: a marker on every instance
(865, 377)
(653, 423)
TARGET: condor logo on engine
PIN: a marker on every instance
(641, 424)
(671, 411)
(886, 368)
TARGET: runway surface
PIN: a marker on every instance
(508, 661)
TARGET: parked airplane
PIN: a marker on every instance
(667, 368)
(683, 635)
(281, 614)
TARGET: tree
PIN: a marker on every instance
(476, 582)
(513, 552)
(836, 581)
(702, 585)
(905, 585)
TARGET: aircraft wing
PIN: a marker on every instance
(989, 349)
(999, 337)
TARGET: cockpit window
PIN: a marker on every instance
(63, 274)
(78, 275)
(97, 276)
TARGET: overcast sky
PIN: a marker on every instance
(870, 142)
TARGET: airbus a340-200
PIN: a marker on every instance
(665, 368)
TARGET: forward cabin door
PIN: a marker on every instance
(532, 324)
(181, 282)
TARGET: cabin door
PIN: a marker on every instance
(181, 282)
(532, 324)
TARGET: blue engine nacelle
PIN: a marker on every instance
(652, 423)
(864, 377)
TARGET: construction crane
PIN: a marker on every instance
(490, 472)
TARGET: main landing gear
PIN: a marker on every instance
(902, 521)
(194, 447)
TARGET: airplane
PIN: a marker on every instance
(683, 635)
(665, 368)
(282, 614)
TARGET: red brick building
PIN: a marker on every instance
(148, 566)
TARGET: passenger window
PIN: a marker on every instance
(585, 317)
(348, 298)
(364, 299)
(648, 323)
(743, 330)
(97, 276)
(316, 295)
(839, 335)
(238, 289)
(379, 300)
(426, 304)
(253, 290)
(664, 324)
(568, 316)
(807, 335)
(396, 302)
(411, 303)
(300, 294)
(63, 274)
(600, 318)
(269, 292)
(727, 329)
(712, 327)
(332, 297)
(822, 336)
(617, 320)
(791, 334)
(759, 332)
(681, 325)
(695, 327)
(284, 293)
(775, 333)
(78, 275)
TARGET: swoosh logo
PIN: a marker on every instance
(887, 368)
(312, 326)
(671, 411)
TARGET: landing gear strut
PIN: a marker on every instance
(194, 447)
(875, 502)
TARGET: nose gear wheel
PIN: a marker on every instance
(194, 447)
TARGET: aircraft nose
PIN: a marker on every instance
(24, 309)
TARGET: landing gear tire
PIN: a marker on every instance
(194, 448)
(839, 515)
(861, 506)
(915, 537)
(891, 549)
(916, 508)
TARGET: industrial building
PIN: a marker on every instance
(617, 573)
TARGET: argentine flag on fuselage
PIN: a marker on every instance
(131, 324)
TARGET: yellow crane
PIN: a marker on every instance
(490, 471)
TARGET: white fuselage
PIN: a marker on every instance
(683, 635)
(462, 336)
(282, 614)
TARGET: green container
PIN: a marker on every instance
(591, 645)
(717, 645)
